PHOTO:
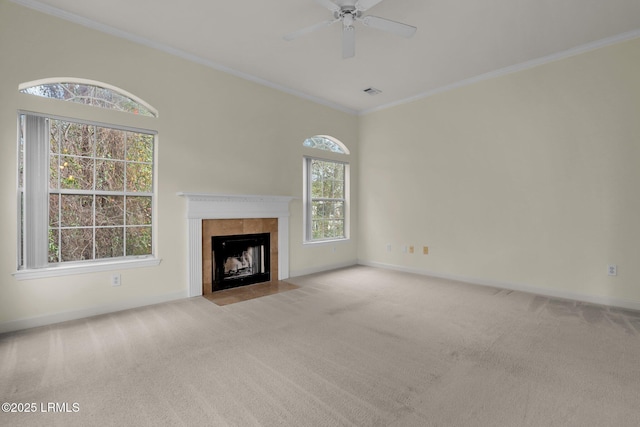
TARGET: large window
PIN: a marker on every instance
(326, 192)
(85, 191)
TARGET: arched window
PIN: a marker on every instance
(326, 191)
(85, 189)
(326, 143)
(88, 92)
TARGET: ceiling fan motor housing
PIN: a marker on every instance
(348, 14)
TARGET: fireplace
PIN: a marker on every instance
(224, 214)
(236, 233)
(240, 260)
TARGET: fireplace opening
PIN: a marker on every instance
(240, 260)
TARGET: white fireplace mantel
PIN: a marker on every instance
(225, 206)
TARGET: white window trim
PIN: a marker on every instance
(91, 266)
(306, 203)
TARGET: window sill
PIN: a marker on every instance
(325, 242)
(66, 270)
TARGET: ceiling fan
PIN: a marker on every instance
(349, 12)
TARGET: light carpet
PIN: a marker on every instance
(353, 347)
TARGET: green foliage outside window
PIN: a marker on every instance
(327, 199)
(100, 192)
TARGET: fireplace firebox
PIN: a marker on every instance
(240, 260)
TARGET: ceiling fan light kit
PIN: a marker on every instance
(349, 14)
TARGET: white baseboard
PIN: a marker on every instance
(49, 319)
(320, 269)
(548, 292)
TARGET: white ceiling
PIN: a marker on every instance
(457, 41)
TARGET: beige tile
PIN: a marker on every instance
(244, 293)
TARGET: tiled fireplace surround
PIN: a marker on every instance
(218, 215)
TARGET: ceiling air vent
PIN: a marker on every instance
(372, 91)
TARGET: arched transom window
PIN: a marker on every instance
(326, 143)
(88, 92)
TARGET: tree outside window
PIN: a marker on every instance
(97, 194)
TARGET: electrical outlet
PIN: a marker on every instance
(612, 270)
(388, 247)
(410, 249)
(116, 280)
(425, 250)
(404, 249)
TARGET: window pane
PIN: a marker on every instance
(77, 138)
(327, 189)
(335, 210)
(110, 143)
(76, 244)
(77, 211)
(317, 210)
(316, 169)
(54, 131)
(316, 189)
(139, 210)
(54, 252)
(139, 177)
(109, 175)
(139, 147)
(76, 173)
(317, 229)
(138, 240)
(54, 210)
(109, 210)
(109, 242)
(338, 190)
(327, 210)
(54, 172)
(329, 170)
(334, 229)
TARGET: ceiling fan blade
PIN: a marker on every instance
(394, 27)
(329, 5)
(348, 42)
(363, 5)
(307, 30)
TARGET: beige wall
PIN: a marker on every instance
(526, 180)
(217, 133)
